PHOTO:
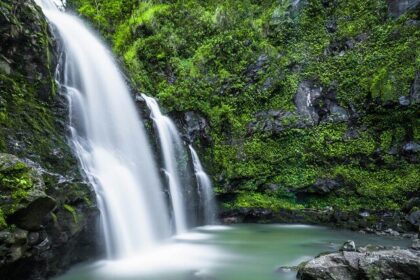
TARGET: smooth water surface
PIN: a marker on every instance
(240, 252)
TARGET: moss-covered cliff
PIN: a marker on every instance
(308, 103)
(41, 189)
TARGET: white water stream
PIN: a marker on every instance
(109, 140)
(206, 194)
(172, 147)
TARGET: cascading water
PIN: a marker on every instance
(205, 190)
(110, 141)
(172, 150)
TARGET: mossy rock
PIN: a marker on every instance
(23, 201)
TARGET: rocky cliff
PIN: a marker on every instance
(293, 104)
(47, 211)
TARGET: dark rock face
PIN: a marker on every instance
(397, 8)
(305, 99)
(414, 218)
(363, 264)
(196, 127)
(193, 127)
(323, 186)
(340, 47)
(47, 211)
(316, 104)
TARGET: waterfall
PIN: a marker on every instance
(110, 141)
(172, 151)
(205, 190)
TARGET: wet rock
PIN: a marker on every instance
(6, 237)
(415, 245)
(397, 8)
(348, 246)
(404, 101)
(28, 211)
(411, 147)
(197, 127)
(324, 185)
(331, 26)
(392, 232)
(382, 264)
(259, 66)
(33, 238)
(305, 98)
(340, 47)
(414, 218)
(411, 203)
(316, 104)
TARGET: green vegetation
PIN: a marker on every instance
(229, 60)
(15, 184)
(72, 211)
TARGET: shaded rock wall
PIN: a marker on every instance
(47, 211)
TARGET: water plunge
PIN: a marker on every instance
(112, 147)
(109, 140)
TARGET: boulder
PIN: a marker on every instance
(411, 147)
(324, 185)
(414, 218)
(23, 198)
(305, 98)
(314, 103)
(348, 246)
(363, 264)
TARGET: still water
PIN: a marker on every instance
(240, 252)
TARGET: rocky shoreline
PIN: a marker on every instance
(380, 222)
(370, 262)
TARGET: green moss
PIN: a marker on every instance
(72, 211)
(15, 182)
(257, 200)
(229, 60)
(3, 223)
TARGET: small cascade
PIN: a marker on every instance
(205, 190)
(172, 152)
